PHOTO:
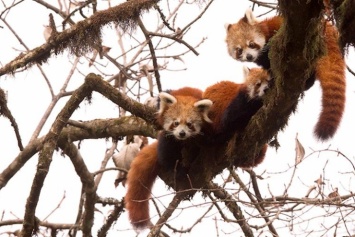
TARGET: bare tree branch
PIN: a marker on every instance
(76, 38)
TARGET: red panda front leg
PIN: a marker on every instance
(246, 102)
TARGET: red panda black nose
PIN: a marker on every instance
(249, 57)
(182, 134)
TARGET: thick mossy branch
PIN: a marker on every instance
(344, 12)
(293, 53)
(83, 36)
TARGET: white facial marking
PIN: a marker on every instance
(259, 40)
(181, 131)
(257, 89)
(249, 55)
(262, 89)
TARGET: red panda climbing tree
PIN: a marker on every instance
(62, 153)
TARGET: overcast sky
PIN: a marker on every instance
(212, 65)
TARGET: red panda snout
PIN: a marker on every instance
(184, 130)
(257, 81)
(249, 57)
(257, 90)
(249, 52)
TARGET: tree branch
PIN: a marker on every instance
(233, 207)
(168, 212)
(45, 157)
(298, 43)
(83, 36)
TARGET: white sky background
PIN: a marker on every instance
(25, 91)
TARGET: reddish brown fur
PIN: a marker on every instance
(186, 95)
(221, 95)
(144, 168)
(183, 109)
(270, 26)
(241, 29)
(330, 71)
(187, 91)
(140, 180)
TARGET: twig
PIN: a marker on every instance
(57, 207)
(152, 52)
(168, 212)
(233, 207)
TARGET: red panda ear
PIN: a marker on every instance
(204, 107)
(249, 17)
(246, 72)
(166, 100)
(227, 26)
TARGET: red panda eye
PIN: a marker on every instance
(252, 45)
(239, 51)
(189, 125)
(176, 123)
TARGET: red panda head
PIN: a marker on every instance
(183, 116)
(245, 38)
(257, 81)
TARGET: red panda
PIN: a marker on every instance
(234, 105)
(223, 93)
(247, 40)
(184, 114)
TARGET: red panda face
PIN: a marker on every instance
(244, 39)
(258, 89)
(183, 116)
(257, 81)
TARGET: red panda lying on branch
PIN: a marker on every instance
(191, 120)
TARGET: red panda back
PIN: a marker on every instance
(270, 26)
(188, 91)
(221, 95)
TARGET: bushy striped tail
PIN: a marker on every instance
(330, 71)
(140, 180)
